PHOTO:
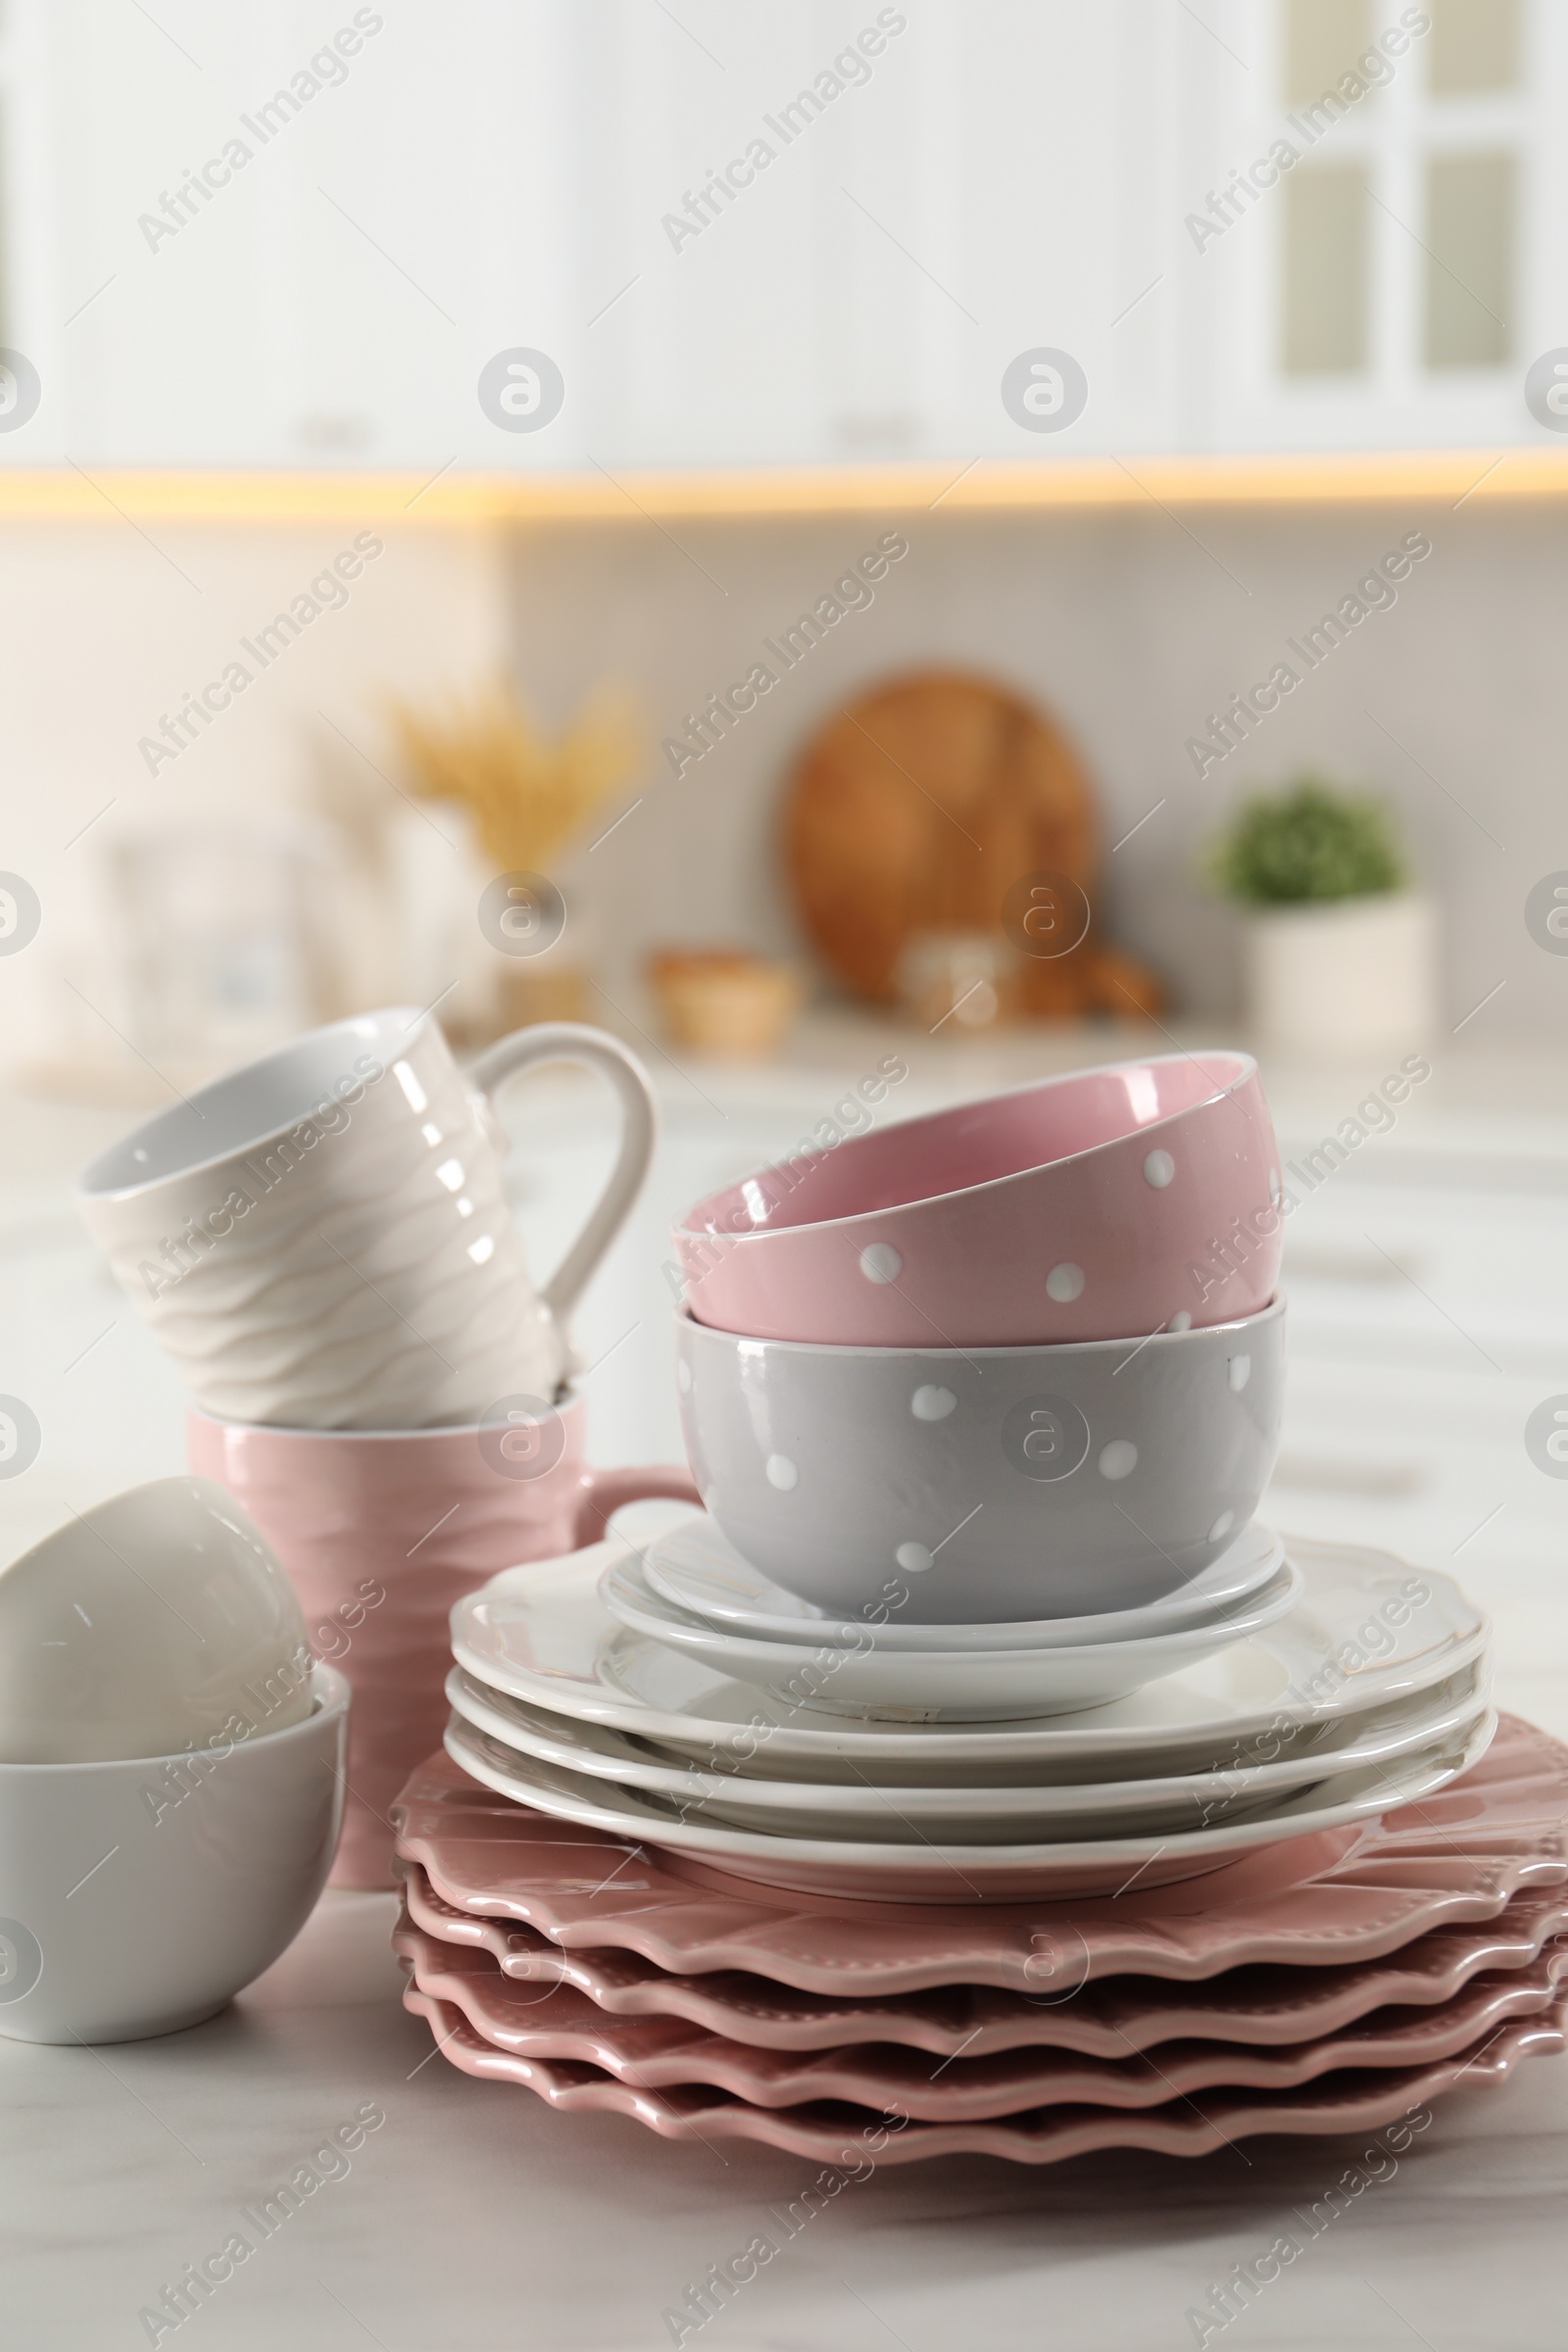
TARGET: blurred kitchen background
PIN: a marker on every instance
(424, 431)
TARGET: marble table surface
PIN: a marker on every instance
(472, 2218)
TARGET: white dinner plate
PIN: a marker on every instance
(955, 1685)
(853, 1807)
(881, 1871)
(697, 1569)
(1366, 1630)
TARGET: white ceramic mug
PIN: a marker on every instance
(321, 1238)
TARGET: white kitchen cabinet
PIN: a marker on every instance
(1392, 285)
(146, 339)
(921, 194)
(746, 235)
(273, 237)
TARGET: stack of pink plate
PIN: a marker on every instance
(1333, 1983)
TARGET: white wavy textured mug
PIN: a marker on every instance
(321, 1238)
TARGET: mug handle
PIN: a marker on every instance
(608, 1490)
(572, 1041)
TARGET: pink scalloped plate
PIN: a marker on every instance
(831, 2131)
(1263, 2008)
(557, 2022)
(1342, 1895)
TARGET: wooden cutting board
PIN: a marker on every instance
(917, 807)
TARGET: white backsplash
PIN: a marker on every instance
(1131, 628)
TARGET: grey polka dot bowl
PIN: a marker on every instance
(960, 1486)
(1106, 1202)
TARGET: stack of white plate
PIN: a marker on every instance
(674, 1697)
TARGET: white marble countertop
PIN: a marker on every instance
(475, 2219)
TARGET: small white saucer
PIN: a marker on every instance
(854, 1677)
(696, 1567)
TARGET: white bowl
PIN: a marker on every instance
(960, 1484)
(139, 1897)
(151, 1621)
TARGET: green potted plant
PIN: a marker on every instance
(1339, 944)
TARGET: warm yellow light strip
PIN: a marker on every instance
(455, 499)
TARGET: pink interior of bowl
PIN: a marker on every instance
(950, 1150)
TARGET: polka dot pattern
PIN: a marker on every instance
(1118, 1459)
(781, 1472)
(1064, 1283)
(1158, 1169)
(932, 1403)
(881, 1263)
(1241, 1372)
(1181, 1320)
(913, 1558)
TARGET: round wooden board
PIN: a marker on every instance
(916, 808)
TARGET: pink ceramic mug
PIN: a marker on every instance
(1105, 1204)
(381, 1532)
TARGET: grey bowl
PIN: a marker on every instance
(952, 1485)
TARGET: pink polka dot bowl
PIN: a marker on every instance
(1107, 1204)
(950, 1486)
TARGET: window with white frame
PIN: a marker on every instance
(1393, 256)
(1420, 194)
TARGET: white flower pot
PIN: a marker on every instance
(1345, 977)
